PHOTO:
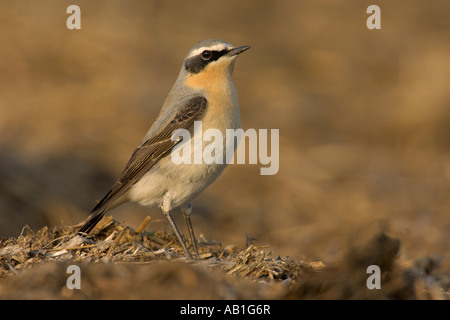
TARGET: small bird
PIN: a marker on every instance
(202, 92)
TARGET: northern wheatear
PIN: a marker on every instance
(203, 92)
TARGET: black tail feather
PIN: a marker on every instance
(92, 221)
(97, 214)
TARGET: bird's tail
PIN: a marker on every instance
(96, 214)
(92, 221)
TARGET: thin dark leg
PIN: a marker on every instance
(166, 210)
(187, 209)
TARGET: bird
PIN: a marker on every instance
(204, 92)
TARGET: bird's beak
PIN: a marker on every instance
(237, 50)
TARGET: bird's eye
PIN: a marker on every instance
(206, 55)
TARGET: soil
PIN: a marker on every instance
(116, 262)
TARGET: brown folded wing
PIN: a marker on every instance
(146, 155)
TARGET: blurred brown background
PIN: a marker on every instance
(363, 116)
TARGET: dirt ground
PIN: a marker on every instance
(364, 175)
(117, 262)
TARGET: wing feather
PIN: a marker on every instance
(146, 155)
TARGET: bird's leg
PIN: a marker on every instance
(187, 209)
(166, 209)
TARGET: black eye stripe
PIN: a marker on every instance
(198, 63)
(215, 55)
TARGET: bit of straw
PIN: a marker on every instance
(143, 224)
